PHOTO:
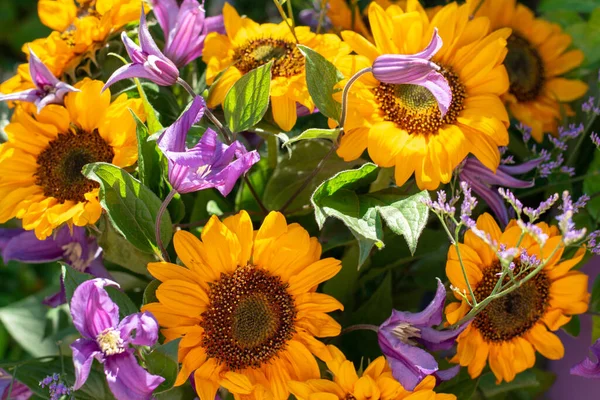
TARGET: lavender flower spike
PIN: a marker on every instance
(485, 182)
(48, 89)
(400, 335)
(185, 28)
(589, 368)
(416, 69)
(147, 60)
(209, 164)
(108, 340)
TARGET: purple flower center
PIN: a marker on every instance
(415, 109)
(110, 342)
(514, 314)
(405, 332)
(525, 68)
(287, 59)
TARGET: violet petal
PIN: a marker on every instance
(128, 71)
(40, 74)
(440, 89)
(588, 368)
(84, 352)
(127, 380)
(166, 12)
(435, 340)
(432, 315)
(27, 248)
(140, 329)
(173, 138)
(92, 309)
(521, 168)
(29, 95)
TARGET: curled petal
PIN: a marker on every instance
(435, 44)
(27, 248)
(589, 368)
(147, 44)
(173, 138)
(127, 380)
(440, 89)
(430, 316)
(92, 309)
(40, 74)
(29, 95)
(140, 329)
(166, 13)
(133, 50)
(521, 168)
(128, 71)
(401, 69)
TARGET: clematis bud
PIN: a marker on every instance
(185, 28)
(416, 69)
(147, 60)
(48, 89)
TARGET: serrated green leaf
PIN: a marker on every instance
(162, 361)
(312, 133)
(149, 157)
(321, 78)
(290, 174)
(131, 206)
(362, 214)
(248, 99)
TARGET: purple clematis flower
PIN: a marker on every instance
(209, 164)
(147, 60)
(73, 246)
(403, 331)
(185, 28)
(18, 391)
(485, 183)
(416, 69)
(48, 89)
(589, 368)
(107, 340)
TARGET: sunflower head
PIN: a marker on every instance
(401, 125)
(245, 305)
(509, 330)
(376, 381)
(248, 45)
(538, 57)
(42, 160)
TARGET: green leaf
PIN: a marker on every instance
(595, 300)
(462, 386)
(248, 99)
(321, 78)
(149, 157)
(73, 278)
(591, 184)
(150, 292)
(162, 361)
(258, 176)
(313, 133)
(290, 174)
(131, 206)
(525, 380)
(32, 372)
(25, 320)
(595, 328)
(363, 214)
(117, 250)
(573, 327)
(154, 124)
(584, 6)
(379, 305)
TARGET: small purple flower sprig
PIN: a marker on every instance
(530, 265)
(56, 387)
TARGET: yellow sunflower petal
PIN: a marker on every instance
(566, 89)
(284, 112)
(314, 274)
(184, 296)
(241, 225)
(545, 342)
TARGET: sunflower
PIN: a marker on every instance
(510, 329)
(401, 125)
(246, 306)
(375, 382)
(537, 58)
(248, 45)
(344, 16)
(41, 181)
(79, 30)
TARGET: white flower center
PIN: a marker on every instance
(203, 170)
(405, 332)
(110, 342)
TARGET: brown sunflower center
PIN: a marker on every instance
(250, 318)
(60, 164)
(514, 314)
(413, 107)
(525, 68)
(287, 59)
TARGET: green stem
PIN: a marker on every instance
(360, 327)
(349, 84)
(163, 207)
(272, 151)
(462, 267)
(285, 19)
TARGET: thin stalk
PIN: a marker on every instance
(255, 195)
(285, 19)
(291, 13)
(462, 267)
(322, 12)
(309, 178)
(12, 381)
(360, 327)
(163, 207)
(272, 151)
(187, 87)
(476, 9)
(349, 84)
